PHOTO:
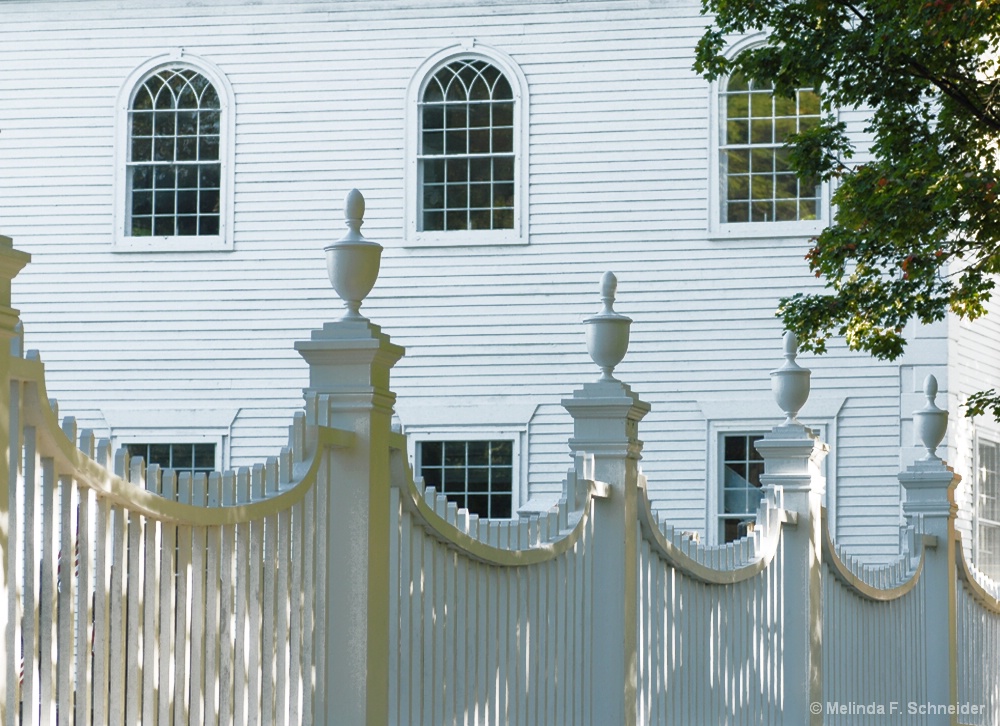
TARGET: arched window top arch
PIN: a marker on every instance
(176, 88)
(465, 80)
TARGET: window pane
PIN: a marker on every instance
(480, 219)
(209, 175)
(738, 106)
(187, 202)
(500, 507)
(479, 141)
(163, 149)
(142, 203)
(187, 123)
(456, 142)
(432, 117)
(204, 456)
(433, 143)
(737, 212)
(479, 504)
(454, 453)
(163, 202)
(208, 122)
(208, 148)
(503, 168)
(503, 219)
(737, 132)
(163, 226)
(187, 226)
(187, 148)
(735, 448)
(454, 480)
(809, 103)
(208, 226)
(479, 479)
(208, 201)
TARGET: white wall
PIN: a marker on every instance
(619, 152)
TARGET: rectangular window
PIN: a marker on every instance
(740, 487)
(476, 475)
(987, 514)
(193, 458)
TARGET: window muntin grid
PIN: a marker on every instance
(476, 475)
(180, 457)
(742, 466)
(758, 184)
(174, 170)
(466, 156)
(988, 510)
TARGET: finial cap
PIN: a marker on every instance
(930, 422)
(607, 332)
(352, 262)
(790, 383)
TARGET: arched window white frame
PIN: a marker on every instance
(753, 191)
(467, 160)
(174, 149)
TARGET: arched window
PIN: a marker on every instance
(467, 148)
(757, 183)
(177, 132)
(468, 176)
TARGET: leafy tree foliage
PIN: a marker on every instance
(917, 229)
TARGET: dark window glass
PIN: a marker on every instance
(476, 475)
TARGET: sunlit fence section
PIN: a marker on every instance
(874, 617)
(978, 642)
(711, 641)
(141, 595)
(491, 619)
(328, 586)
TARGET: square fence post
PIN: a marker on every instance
(349, 365)
(606, 417)
(929, 508)
(792, 478)
(11, 262)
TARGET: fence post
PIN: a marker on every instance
(606, 417)
(792, 478)
(11, 262)
(930, 509)
(349, 361)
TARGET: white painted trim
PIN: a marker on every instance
(719, 230)
(757, 415)
(413, 236)
(173, 426)
(227, 144)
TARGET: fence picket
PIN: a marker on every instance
(47, 593)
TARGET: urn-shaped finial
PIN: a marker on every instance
(352, 262)
(790, 383)
(607, 332)
(930, 422)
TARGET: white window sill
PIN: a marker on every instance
(193, 243)
(759, 230)
(473, 238)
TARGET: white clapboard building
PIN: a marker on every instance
(176, 168)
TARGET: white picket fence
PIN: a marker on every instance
(326, 586)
